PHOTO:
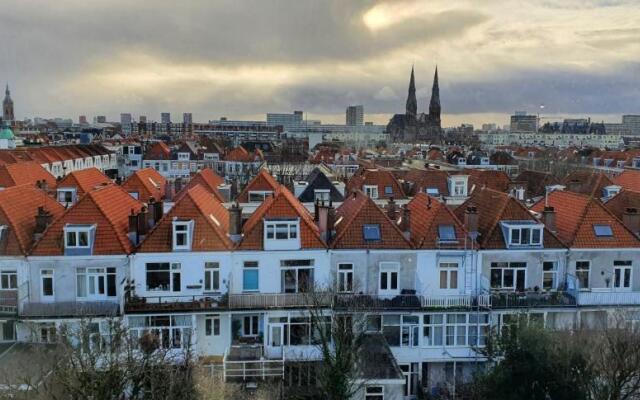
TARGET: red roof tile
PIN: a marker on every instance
(158, 151)
(628, 179)
(618, 204)
(84, 180)
(25, 173)
(587, 182)
(261, 182)
(426, 179)
(147, 183)
(426, 215)
(239, 154)
(496, 180)
(209, 180)
(379, 177)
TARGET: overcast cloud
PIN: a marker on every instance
(244, 58)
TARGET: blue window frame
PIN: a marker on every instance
(371, 232)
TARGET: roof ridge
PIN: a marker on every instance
(94, 193)
(216, 228)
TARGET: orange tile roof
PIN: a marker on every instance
(209, 180)
(108, 208)
(587, 182)
(378, 177)
(496, 180)
(424, 179)
(264, 181)
(25, 173)
(575, 216)
(356, 211)
(427, 214)
(494, 206)
(238, 154)
(158, 151)
(18, 208)
(628, 179)
(281, 204)
(211, 223)
(147, 183)
(618, 204)
(84, 180)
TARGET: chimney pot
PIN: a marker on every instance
(471, 220)
(235, 222)
(549, 218)
(631, 219)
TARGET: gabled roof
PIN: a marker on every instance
(428, 179)
(209, 180)
(376, 177)
(426, 215)
(108, 208)
(535, 182)
(318, 180)
(147, 183)
(264, 181)
(618, 204)
(496, 180)
(494, 206)
(21, 173)
(84, 180)
(18, 209)
(628, 179)
(239, 154)
(158, 151)
(587, 182)
(354, 213)
(576, 215)
(282, 204)
(211, 223)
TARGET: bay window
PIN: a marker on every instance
(172, 331)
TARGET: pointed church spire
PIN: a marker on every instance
(6, 91)
(412, 102)
(434, 104)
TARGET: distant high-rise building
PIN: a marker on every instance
(143, 119)
(187, 118)
(489, 127)
(285, 120)
(631, 123)
(82, 120)
(100, 119)
(355, 115)
(521, 122)
(165, 118)
(125, 119)
(7, 106)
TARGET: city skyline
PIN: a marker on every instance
(577, 58)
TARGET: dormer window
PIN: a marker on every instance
(447, 234)
(388, 191)
(78, 236)
(258, 196)
(432, 191)
(601, 230)
(371, 232)
(66, 195)
(182, 235)
(282, 234)
(183, 156)
(321, 195)
(522, 233)
(610, 191)
(458, 186)
(371, 191)
(620, 164)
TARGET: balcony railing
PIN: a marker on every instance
(171, 303)
(608, 298)
(531, 299)
(8, 301)
(249, 363)
(70, 309)
(277, 300)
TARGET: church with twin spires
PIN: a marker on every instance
(412, 127)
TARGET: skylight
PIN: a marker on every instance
(433, 191)
(371, 232)
(603, 230)
(446, 233)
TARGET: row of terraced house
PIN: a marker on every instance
(230, 280)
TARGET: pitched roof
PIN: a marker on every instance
(21, 173)
(496, 180)
(318, 180)
(628, 179)
(209, 180)
(108, 208)
(377, 177)
(84, 180)
(618, 204)
(535, 182)
(282, 204)
(18, 209)
(576, 215)
(428, 179)
(158, 151)
(211, 223)
(426, 215)
(494, 206)
(263, 181)
(147, 183)
(354, 213)
(587, 182)
(238, 154)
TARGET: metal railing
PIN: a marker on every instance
(532, 299)
(256, 367)
(173, 303)
(277, 300)
(594, 298)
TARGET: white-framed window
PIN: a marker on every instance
(549, 275)
(182, 235)
(321, 195)
(455, 329)
(212, 325)
(388, 282)
(529, 234)
(371, 191)
(296, 276)
(211, 277)
(77, 236)
(250, 325)
(46, 284)
(48, 333)
(508, 276)
(258, 196)
(622, 274)
(172, 331)
(433, 330)
(163, 277)
(583, 273)
(458, 186)
(374, 392)
(8, 279)
(250, 277)
(448, 275)
(345, 277)
(281, 230)
(96, 283)
(66, 195)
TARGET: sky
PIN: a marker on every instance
(244, 58)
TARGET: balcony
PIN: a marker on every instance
(531, 299)
(8, 302)
(248, 362)
(70, 309)
(411, 301)
(607, 298)
(173, 303)
(277, 300)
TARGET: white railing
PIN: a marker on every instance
(608, 298)
(448, 301)
(252, 369)
(268, 300)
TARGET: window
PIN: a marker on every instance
(211, 277)
(371, 191)
(582, 274)
(446, 233)
(172, 331)
(388, 278)
(250, 276)
(281, 230)
(163, 277)
(46, 280)
(448, 275)
(549, 275)
(374, 393)
(8, 280)
(66, 195)
(296, 276)
(433, 329)
(345, 278)
(388, 191)
(135, 195)
(48, 333)
(508, 275)
(250, 325)
(212, 326)
(431, 191)
(371, 232)
(321, 195)
(603, 230)
(524, 235)
(258, 196)
(622, 274)
(182, 231)
(77, 236)
(96, 283)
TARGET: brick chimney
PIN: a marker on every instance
(392, 211)
(143, 218)
(168, 192)
(158, 210)
(631, 219)
(471, 220)
(133, 228)
(549, 218)
(178, 184)
(326, 216)
(405, 222)
(235, 222)
(151, 215)
(43, 219)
